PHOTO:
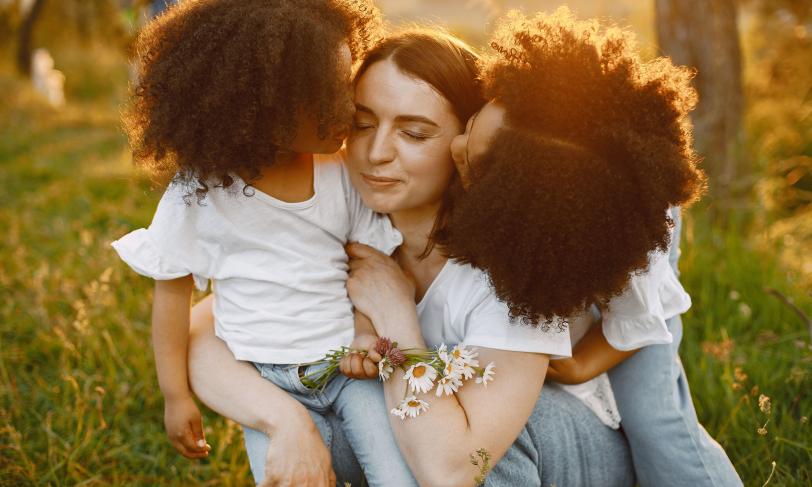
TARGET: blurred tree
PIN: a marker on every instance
(703, 34)
(26, 32)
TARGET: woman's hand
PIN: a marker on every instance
(377, 286)
(297, 457)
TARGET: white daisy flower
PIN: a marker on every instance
(399, 412)
(421, 377)
(487, 375)
(411, 407)
(385, 369)
(448, 385)
(452, 369)
(442, 352)
(462, 354)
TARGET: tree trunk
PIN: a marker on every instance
(24, 48)
(703, 34)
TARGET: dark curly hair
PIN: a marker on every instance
(573, 192)
(220, 82)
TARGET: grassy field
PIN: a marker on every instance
(79, 402)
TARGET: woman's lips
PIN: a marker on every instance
(379, 182)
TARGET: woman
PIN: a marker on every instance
(413, 94)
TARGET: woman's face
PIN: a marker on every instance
(474, 142)
(398, 149)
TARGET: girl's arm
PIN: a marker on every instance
(592, 356)
(235, 390)
(439, 443)
(170, 337)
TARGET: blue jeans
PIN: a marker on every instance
(359, 410)
(564, 444)
(668, 445)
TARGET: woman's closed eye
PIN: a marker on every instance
(415, 135)
(359, 125)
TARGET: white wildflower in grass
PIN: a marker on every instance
(411, 407)
(421, 377)
(487, 374)
(448, 385)
(385, 370)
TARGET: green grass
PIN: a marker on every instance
(79, 401)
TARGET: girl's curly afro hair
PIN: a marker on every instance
(573, 192)
(220, 82)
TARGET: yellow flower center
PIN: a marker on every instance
(419, 372)
(413, 404)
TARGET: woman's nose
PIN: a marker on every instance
(382, 149)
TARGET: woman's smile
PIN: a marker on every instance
(379, 182)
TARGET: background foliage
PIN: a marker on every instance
(79, 402)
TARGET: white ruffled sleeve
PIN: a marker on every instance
(168, 248)
(637, 318)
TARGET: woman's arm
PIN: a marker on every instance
(439, 443)
(592, 356)
(237, 391)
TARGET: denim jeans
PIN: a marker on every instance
(669, 446)
(564, 444)
(354, 408)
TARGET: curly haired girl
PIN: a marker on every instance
(571, 172)
(240, 99)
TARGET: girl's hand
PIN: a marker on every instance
(361, 365)
(298, 457)
(184, 427)
(377, 286)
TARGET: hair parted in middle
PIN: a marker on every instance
(573, 192)
(222, 83)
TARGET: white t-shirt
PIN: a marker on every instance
(632, 320)
(279, 269)
(460, 307)
(637, 317)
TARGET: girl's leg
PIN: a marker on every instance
(235, 390)
(669, 446)
(361, 406)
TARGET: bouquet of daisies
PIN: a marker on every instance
(440, 369)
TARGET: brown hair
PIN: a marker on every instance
(220, 82)
(573, 192)
(446, 63)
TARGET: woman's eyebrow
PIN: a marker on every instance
(359, 107)
(416, 118)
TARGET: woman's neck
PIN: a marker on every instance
(415, 225)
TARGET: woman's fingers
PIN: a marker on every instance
(358, 250)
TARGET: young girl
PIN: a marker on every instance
(571, 168)
(236, 97)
